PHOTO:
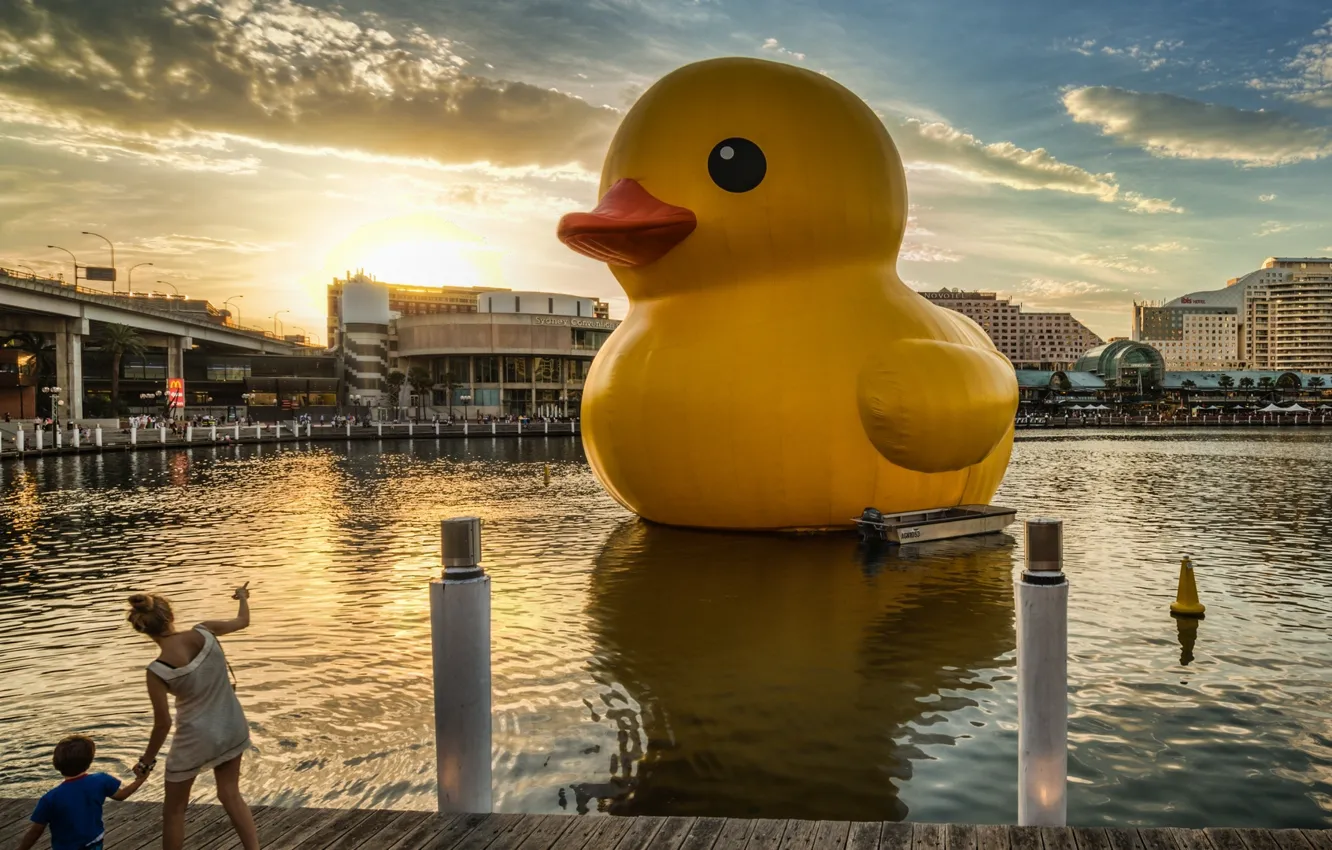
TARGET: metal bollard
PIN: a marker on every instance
(460, 645)
(1042, 664)
(97, 436)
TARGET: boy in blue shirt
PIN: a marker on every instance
(73, 809)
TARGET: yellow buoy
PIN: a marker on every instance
(1186, 602)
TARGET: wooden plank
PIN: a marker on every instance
(863, 836)
(767, 835)
(548, 830)
(371, 828)
(636, 837)
(1123, 839)
(928, 836)
(1024, 837)
(199, 820)
(703, 834)
(612, 831)
(1194, 839)
(1319, 839)
(991, 837)
(263, 815)
(735, 833)
(327, 829)
(672, 834)
(1290, 839)
(485, 833)
(1091, 838)
(515, 833)
(961, 836)
(1226, 839)
(1058, 838)
(832, 835)
(1157, 839)
(1257, 839)
(576, 835)
(438, 831)
(287, 822)
(799, 835)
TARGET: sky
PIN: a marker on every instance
(1073, 155)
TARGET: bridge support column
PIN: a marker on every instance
(176, 348)
(69, 367)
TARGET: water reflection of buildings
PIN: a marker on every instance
(777, 676)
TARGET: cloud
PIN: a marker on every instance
(776, 46)
(1170, 126)
(938, 145)
(1271, 228)
(1310, 72)
(177, 243)
(1049, 289)
(190, 78)
(1162, 247)
(1117, 262)
(915, 252)
(1148, 56)
(1267, 199)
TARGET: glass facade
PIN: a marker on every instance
(148, 368)
(589, 340)
(576, 370)
(485, 397)
(487, 370)
(546, 370)
(517, 401)
(516, 370)
(228, 369)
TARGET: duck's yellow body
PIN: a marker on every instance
(773, 371)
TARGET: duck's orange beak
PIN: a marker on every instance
(629, 227)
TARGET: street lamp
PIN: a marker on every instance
(466, 399)
(75, 284)
(276, 323)
(129, 284)
(228, 301)
(51, 393)
(29, 268)
(113, 255)
(172, 285)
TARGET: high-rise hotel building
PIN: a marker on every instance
(1030, 340)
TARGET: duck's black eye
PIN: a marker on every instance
(737, 165)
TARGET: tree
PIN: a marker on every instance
(449, 383)
(1246, 383)
(393, 382)
(1316, 382)
(421, 382)
(1265, 383)
(1186, 385)
(1225, 382)
(120, 340)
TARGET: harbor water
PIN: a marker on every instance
(648, 670)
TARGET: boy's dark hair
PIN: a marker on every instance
(74, 755)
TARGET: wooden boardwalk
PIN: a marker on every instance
(136, 826)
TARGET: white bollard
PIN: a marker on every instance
(189, 433)
(1042, 664)
(259, 432)
(75, 432)
(309, 430)
(409, 427)
(238, 430)
(18, 438)
(547, 424)
(212, 432)
(460, 646)
(520, 427)
(278, 432)
(348, 427)
(161, 433)
(464, 429)
(59, 437)
(380, 427)
(492, 427)
(573, 426)
(41, 436)
(97, 436)
(436, 429)
(134, 436)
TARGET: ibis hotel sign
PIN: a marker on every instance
(573, 322)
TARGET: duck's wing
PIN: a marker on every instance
(934, 406)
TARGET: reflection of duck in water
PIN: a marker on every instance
(783, 684)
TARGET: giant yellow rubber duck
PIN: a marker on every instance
(773, 371)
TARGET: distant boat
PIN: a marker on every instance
(940, 524)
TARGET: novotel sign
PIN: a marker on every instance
(571, 322)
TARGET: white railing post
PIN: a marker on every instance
(437, 428)
(18, 439)
(409, 427)
(161, 434)
(348, 427)
(520, 427)
(97, 436)
(547, 424)
(380, 427)
(189, 433)
(259, 431)
(464, 428)
(460, 647)
(237, 430)
(41, 437)
(1042, 672)
(212, 432)
(134, 436)
(76, 435)
(492, 428)
(277, 434)
(59, 436)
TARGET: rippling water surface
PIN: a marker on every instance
(645, 670)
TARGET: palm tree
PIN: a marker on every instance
(393, 382)
(1246, 383)
(449, 383)
(419, 378)
(120, 340)
(1316, 382)
(1225, 382)
(1186, 385)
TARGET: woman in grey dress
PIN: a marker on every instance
(211, 731)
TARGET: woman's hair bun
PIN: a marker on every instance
(141, 602)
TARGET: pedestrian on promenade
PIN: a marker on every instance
(211, 731)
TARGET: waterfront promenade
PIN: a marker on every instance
(1245, 420)
(203, 436)
(137, 826)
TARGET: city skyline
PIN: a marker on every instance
(1072, 159)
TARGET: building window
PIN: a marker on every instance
(517, 401)
(588, 340)
(576, 370)
(146, 368)
(487, 371)
(486, 397)
(546, 370)
(552, 304)
(228, 369)
(578, 308)
(515, 370)
(517, 304)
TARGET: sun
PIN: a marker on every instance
(421, 250)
